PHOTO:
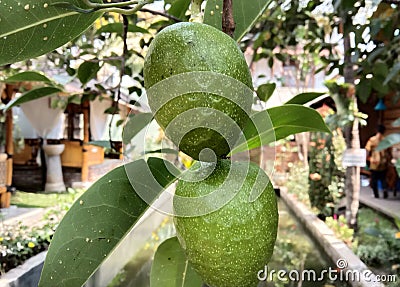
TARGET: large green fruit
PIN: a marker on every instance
(208, 76)
(229, 246)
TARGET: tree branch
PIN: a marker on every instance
(166, 15)
(228, 23)
(122, 73)
(397, 2)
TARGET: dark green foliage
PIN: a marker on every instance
(377, 242)
(326, 180)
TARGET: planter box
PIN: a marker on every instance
(28, 274)
(25, 275)
(335, 248)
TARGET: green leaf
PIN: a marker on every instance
(72, 7)
(87, 71)
(28, 76)
(396, 219)
(388, 141)
(178, 8)
(364, 89)
(118, 28)
(134, 125)
(377, 85)
(163, 171)
(375, 53)
(373, 232)
(30, 29)
(32, 95)
(100, 219)
(105, 144)
(270, 62)
(381, 69)
(279, 122)
(245, 14)
(292, 119)
(304, 98)
(112, 110)
(163, 150)
(265, 91)
(171, 268)
(280, 57)
(345, 5)
(394, 71)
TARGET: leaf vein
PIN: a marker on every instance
(35, 24)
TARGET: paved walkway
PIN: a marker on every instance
(14, 214)
(389, 206)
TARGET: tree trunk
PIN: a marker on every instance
(228, 23)
(85, 154)
(302, 141)
(352, 181)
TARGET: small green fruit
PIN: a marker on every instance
(230, 245)
(209, 77)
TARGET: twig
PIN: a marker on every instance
(121, 73)
(166, 15)
(96, 60)
(228, 23)
(129, 11)
(109, 5)
(115, 58)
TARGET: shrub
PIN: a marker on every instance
(19, 242)
(340, 228)
(326, 176)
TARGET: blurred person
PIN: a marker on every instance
(392, 177)
(378, 162)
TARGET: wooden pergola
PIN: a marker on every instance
(78, 154)
(81, 158)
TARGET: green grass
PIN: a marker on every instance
(43, 200)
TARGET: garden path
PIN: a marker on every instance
(14, 215)
(389, 206)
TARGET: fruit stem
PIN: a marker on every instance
(123, 8)
(130, 11)
(195, 11)
(109, 5)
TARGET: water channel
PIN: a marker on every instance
(294, 250)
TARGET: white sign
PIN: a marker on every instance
(354, 157)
